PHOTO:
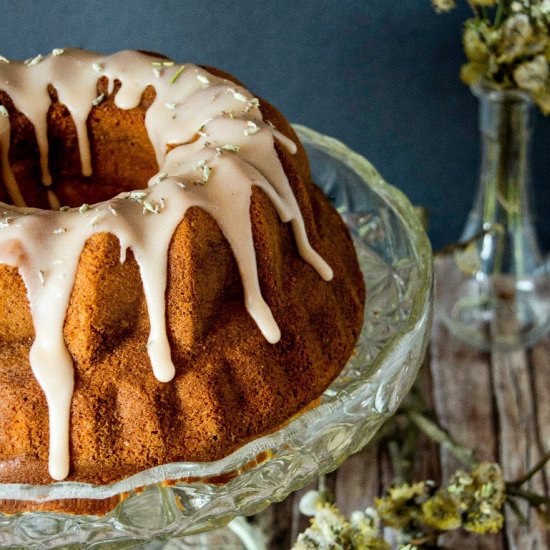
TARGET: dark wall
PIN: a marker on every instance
(381, 76)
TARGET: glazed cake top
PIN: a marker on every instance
(220, 147)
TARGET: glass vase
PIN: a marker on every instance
(496, 291)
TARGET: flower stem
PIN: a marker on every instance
(531, 498)
(536, 468)
(485, 14)
(499, 13)
(397, 462)
(463, 454)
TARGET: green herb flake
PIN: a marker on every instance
(177, 74)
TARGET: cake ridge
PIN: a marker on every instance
(221, 148)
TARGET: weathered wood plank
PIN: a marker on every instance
(462, 387)
(275, 523)
(299, 522)
(497, 404)
(358, 481)
(518, 441)
(427, 464)
(463, 403)
(464, 407)
(540, 377)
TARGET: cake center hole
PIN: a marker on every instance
(122, 156)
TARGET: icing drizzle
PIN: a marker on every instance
(216, 171)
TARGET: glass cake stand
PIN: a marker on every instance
(395, 257)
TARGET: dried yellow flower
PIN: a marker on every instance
(394, 514)
(531, 76)
(475, 46)
(503, 42)
(364, 529)
(405, 491)
(488, 479)
(485, 3)
(441, 512)
(542, 99)
(483, 524)
(442, 6)
(329, 529)
(518, 38)
(472, 73)
(399, 507)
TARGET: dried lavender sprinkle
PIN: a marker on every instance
(137, 195)
(148, 207)
(162, 63)
(206, 170)
(252, 129)
(34, 61)
(177, 74)
(158, 178)
(99, 99)
(240, 97)
(230, 147)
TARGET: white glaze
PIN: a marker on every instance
(235, 150)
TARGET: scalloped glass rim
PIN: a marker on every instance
(367, 393)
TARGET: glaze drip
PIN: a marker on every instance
(234, 151)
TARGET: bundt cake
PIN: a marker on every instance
(172, 283)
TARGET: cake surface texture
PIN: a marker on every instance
(172, 283)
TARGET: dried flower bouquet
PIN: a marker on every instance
(507, 43)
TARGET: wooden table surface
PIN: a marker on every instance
(495, 403)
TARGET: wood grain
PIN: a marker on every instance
(498, 404)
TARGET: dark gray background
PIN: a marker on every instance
(380, 75)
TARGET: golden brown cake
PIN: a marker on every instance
(172, 284)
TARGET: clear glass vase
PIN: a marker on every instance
(496, 292)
